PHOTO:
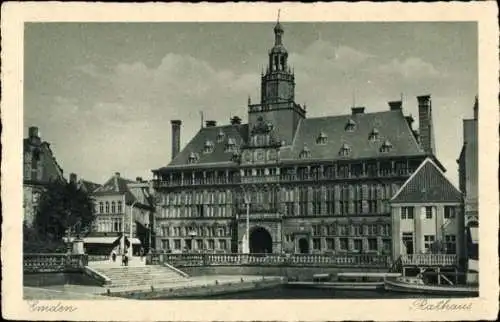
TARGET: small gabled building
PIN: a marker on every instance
(427, 214)
(116, 201)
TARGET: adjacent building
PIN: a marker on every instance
(468, 173)
(39, 168)
(123, 209)
(284, 182)
(427, 215)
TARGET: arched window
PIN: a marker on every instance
(119, 206)
(113, 207)
(101, 207)
(107, 207)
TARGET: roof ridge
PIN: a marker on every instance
(347, 115)
(411, 178)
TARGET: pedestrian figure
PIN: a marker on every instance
(124, 259)
(113, 256)
(141, 252)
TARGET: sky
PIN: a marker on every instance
(103, 94)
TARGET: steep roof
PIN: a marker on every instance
(364, 134)
(231, 133)
(390, 128)
(116, 185)
(427, 184)
(51, 170)
(88, 186)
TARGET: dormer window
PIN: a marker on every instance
(220, 136)
(193, 158)
(305, 153)
(208, 147)
(322, 138)
(350, 126)
(230, 145)
(345, 150)
(386, 146)
(373, 135)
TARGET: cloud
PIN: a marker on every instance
(410, 68)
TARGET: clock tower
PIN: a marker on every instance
(277, 113)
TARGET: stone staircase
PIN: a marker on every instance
(140, 276)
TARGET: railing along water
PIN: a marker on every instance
(430, 259)
(53, 262)
(236, 259)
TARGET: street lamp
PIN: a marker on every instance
(246, 241)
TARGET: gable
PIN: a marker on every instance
(427, 184)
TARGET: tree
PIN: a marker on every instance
(62, 206)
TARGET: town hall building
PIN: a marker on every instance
(284, 182)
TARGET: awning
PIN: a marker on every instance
(102, 240)
(474, 234)
(95, 240)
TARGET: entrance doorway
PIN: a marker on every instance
(260, 241)
(303, 246)
(408, 242)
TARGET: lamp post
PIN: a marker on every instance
(130, 228)
(246, 241)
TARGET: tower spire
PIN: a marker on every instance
(278, 21)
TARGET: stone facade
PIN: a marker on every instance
(39, 168)
(292, 183)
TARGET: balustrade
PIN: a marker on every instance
(430, 260)
(43, 263)
(235, 259)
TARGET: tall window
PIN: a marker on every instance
(303, 199)
(428, 241)
(107, 207)
(449, 212)
(407, 212)
(330, 243)
(428, 212)
(451, 244)
(344, 244)
(316, 243)
(358, 245)
(330, 200)
(113, 207)
(101, 207)
(317, 200)
(372, 244)
(120, 210)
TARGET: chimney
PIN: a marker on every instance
(117, 174)
(138, 179)
(72, 178)
(235, 120)
(176, 137)
(358, 110)
(426, 129)
(210, 123)
(33, 132)
(395, 105)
